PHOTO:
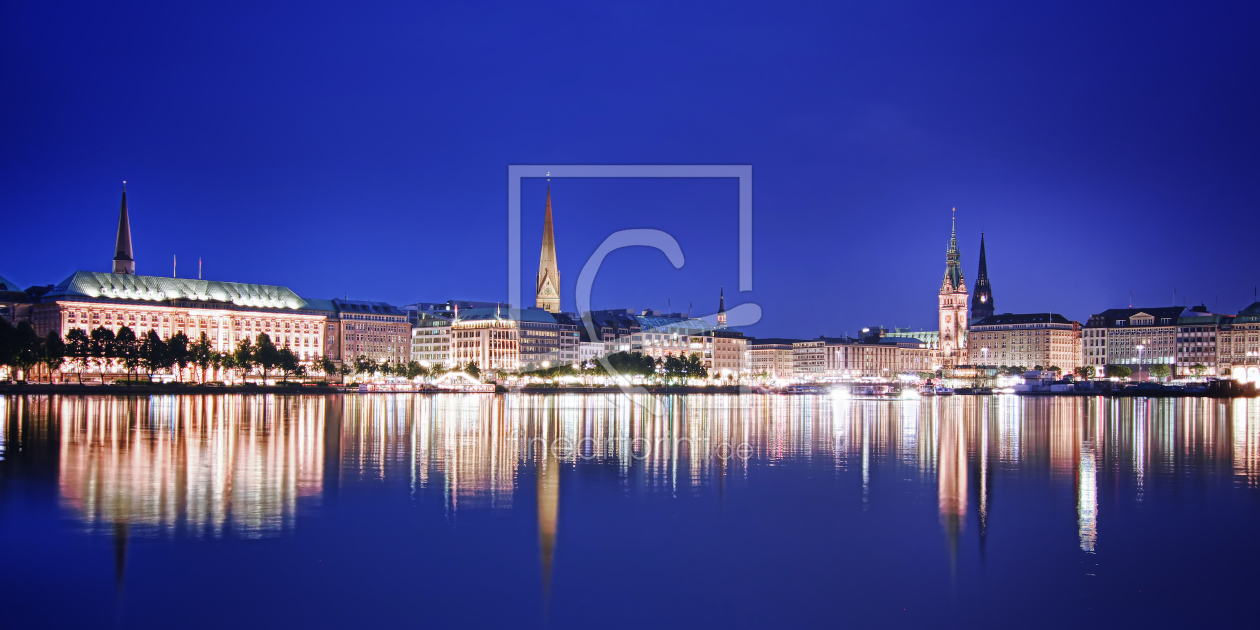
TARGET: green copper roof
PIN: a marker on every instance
(93, 284)
(8, 285)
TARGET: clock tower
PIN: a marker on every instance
(952, 306)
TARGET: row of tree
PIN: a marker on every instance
(21, 350)
(670, 367)
(1159, 370)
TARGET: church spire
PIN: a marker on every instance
(547, 292)
(982, 299)
(953, 232)
(721, 314)
(124, 259)
(953, 281)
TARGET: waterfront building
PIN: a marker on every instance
(615, 328)
(570, 340)
(430, 338)
(931, 338)
(728, 351)
(1238, 345)
(487, 337)
(589, 350)
(375, 330)
(227, 312)
(913, 355)
(1198, 350)
(547, 292)
(1132, 336)
(546, 339)
(674, 334)
(847, 358)
(772, 357)
(666, 334)
(809, 358)
(15, 304)
(982, 297)
(1025, 339)
(952, 306)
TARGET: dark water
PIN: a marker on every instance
(565, 511)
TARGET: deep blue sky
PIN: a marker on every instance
(363, 150)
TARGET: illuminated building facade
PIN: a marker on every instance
(1198, 350)
(615, 328)
(855, 359)
(375, 330)
(771, 357)
(546, 339)
(809, 358)
(227, 312)
(1132, 336)
(1238, 345)
(487, 337)
(1030, 339)
(430, 338)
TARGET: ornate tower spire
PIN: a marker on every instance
(547, 293)
(721, 314)
(953, 265)
(124, 259)
(952, 306)
(982, 298)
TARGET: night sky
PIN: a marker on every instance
(362, 150)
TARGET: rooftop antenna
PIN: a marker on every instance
(199, 267)
(1130, 299)
(173, 263)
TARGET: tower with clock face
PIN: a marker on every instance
(952, 311)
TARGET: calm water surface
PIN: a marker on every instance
(612, 511)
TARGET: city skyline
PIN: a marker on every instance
(349, 191)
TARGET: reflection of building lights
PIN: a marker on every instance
(1087, 498)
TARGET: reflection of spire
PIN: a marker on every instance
(548, 477)
(121, 535)
(986, 479)
(952, 484)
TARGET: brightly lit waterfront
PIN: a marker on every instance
(555, 510)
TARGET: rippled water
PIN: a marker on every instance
(566, 510)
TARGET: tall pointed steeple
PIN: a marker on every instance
(982, 298)
(952, 302)
(547, 293)
(721, 314)
(953, 265)
(124, 259)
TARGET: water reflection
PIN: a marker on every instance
(245, 465)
